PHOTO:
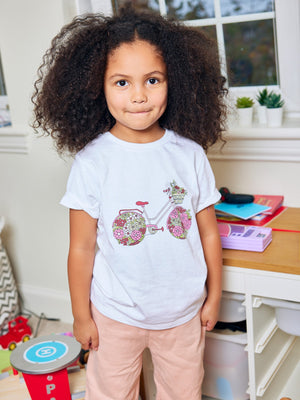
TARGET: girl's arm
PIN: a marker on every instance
(211, 243)
(83, 230)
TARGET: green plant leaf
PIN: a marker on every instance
(274, 101)
(262, 96)
(244, 102)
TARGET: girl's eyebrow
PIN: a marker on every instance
(120, 75)
(156, 72)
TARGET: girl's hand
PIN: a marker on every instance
(209, 314)
(86, 334)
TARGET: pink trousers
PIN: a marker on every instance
(113, 371)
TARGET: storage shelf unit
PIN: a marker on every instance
(286, 382)
(273, 367)
(266, 336)
(273, 353)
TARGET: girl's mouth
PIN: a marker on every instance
(139, 112)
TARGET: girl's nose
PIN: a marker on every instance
(138, 95)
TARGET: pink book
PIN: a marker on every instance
(244, 237)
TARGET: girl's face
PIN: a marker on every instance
(136, 88)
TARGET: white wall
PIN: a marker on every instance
(260, 177)
(36, 234)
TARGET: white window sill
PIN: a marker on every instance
(257, 143)
(260, 143)
(14, 139)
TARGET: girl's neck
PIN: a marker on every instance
(142, 136)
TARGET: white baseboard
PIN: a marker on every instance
(53, 303)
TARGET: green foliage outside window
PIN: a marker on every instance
(2, 83)
(250, 53)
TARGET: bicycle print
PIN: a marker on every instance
(130, 227)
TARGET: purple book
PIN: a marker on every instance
(244, 237)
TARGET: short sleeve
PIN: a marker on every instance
(207, 191)
(83, 189)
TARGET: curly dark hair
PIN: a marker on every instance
(69, 101)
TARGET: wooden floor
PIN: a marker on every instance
(14, 387)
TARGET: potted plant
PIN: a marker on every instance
(244, 106)
(274, 105)
(262, 108)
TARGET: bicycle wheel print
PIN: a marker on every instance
(179, 222)
(129, 228)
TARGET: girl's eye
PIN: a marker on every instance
(152, 81)
(122, 83)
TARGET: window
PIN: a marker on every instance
(244, 30)
(4, 109)
(258, 39)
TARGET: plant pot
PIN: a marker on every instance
(245, 116)
(274, 117)
(261, 115)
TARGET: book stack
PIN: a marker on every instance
(241, 237)
(258, 213)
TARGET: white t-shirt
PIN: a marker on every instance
(149, 269)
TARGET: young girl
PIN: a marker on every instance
(139, 99)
